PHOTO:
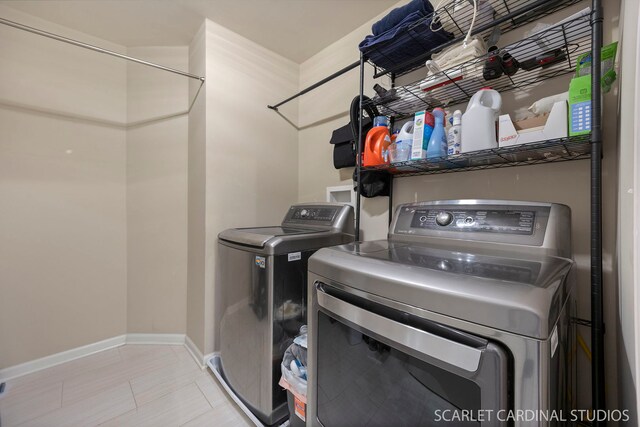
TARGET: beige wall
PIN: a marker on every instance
(251, 157)
(63, 193)
(94, 183)
(157, 192)
(196, 194)
(629, 258)
(325, 109)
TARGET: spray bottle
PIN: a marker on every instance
(438, 142)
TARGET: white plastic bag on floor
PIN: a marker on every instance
(294, 367)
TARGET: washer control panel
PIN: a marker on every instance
(504, 221)
(309, 214)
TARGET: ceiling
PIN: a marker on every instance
(296, 29)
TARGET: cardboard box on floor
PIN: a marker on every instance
(541, 128)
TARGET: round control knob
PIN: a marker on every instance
(444, 218)
(304, 213)
(445, 265)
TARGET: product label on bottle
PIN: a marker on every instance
(454, 141)
(418, 135)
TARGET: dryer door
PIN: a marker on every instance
(377, 366)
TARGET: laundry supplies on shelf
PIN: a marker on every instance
(480, 121)
(460, 68)
(423, 124)
(607, 62)
(438, 142)
(397, 15)
(375, 146)
(580, 105)
(454, 134)
(551, 124)
(400, 149)
(549, 41)
(449, 82)
(400, 38)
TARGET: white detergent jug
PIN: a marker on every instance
(404, 141)
(479, 121)
(406, 133)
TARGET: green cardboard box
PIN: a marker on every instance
(580, 106)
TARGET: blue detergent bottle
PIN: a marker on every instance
(438, 142)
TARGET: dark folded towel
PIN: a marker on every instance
(396, 16)
(403, 47)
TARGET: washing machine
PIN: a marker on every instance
(461, 317)
(262, 274)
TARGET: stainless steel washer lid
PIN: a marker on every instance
(304, 227)
(290, 240)
(259, 236)
(522, 294)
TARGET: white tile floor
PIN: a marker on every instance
(132, 385)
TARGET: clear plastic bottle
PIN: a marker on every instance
(438, 142)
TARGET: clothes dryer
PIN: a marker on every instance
(461, 317)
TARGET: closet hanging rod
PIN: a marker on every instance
(320, 83)
(96, 48)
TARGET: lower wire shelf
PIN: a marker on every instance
(554, 150)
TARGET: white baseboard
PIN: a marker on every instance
(209, 356)
(62, 357)
(165, 339)
(86, 350)
(195, 352)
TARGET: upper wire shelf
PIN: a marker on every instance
(552, 52)
(456, 17)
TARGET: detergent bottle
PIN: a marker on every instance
(438, 142)
(479, 121)
(376, 145)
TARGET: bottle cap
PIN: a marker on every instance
(440, 112)
(457, 117)
(429, 119)
(380, 121)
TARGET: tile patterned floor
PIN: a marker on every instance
(132, 385)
